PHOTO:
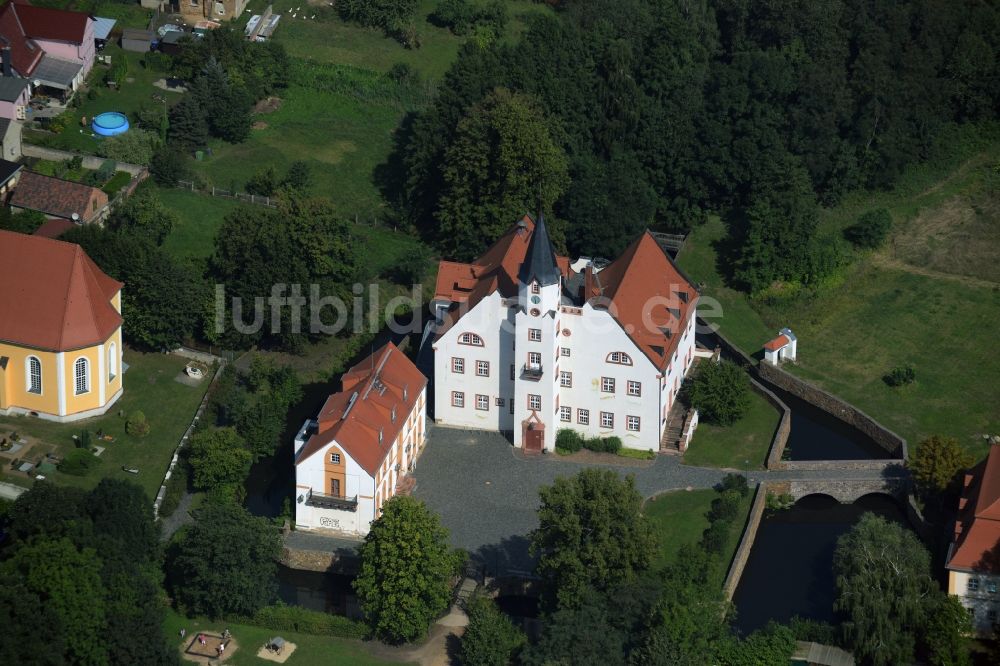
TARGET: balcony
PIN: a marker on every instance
(532, 371)
(323, 501)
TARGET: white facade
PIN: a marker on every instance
(334, 491)
(590, 370)
(980, 593)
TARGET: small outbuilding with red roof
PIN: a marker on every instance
(359, 450)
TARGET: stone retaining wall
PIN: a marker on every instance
(810, 465)
(784, 426)
(746, 542)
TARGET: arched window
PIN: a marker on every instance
(81, 376)
(470, 339)
(33, 375)
(621, 358)
(112, 362)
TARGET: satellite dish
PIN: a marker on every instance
(76, 217)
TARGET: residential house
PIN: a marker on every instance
(58, 198)
(213, 10)
(357, 453)
(973, 560)
(60, 330)
(14, 95)
(9, 173)
(10, 139)
(53, 47)
(522, 343)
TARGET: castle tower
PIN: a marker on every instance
(536, 347)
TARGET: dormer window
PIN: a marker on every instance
(380, 435)
(535, 289)
(470, 339)
(620, 358)
(393, 414)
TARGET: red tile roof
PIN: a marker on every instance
(55, 24)
(57, 197)
(54, 228)
(24, 53)
(977, 529)
(52, 295)
(372, 390)
(777, 343)
(649, 297)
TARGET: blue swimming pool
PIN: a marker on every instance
(111, 123)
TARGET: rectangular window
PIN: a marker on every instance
(457, 365)
(534, 402)
(607, 420)
(535, 288)
(991, 587)
(565, 414)
(973, 585)
(634, 388)
(482, 402)
(632, 423)
(335, 458)
(535, 334)
(534, 359)
(457, 399)
(501, 402)
(512, 405)
(583, 416)
(566, 379)
(482, 368)
(564, 351)
(607, 384)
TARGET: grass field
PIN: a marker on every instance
(747, 439)
(929, 299)
(200, 216)
(310, 650)
(149, 387)
(327, 38)
(678, 519)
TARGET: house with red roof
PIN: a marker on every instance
(60, 330)
(359, 450)
(973, 560)
(53, 47)
(785, 347)
(524, 344)
(59, 199)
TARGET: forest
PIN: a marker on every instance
(615, 116)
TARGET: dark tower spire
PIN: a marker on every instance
(540, 260)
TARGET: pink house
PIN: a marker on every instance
(14, 95)
(51, 46)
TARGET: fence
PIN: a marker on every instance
(214, 191)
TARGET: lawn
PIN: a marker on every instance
(341, 138)
(730, 446)
(928, 299)
(310, 650)
(678, 519)
(128, 100)
(149, 387)
(329, 39)
(199, 218)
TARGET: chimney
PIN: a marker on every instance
(7, 71)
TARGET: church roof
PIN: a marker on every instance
(977, 528)
(375, 400)
(540, 260)
(52, 295)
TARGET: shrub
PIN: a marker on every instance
(116, 75)
(136, 146)
(491, 638)
(725, 507)
(137, 425)
(736, 482)
(456, 15)
(569, 440)
(715, 537)
(263, 183)
(779, 502)
(870, 230)
(611, 444)
(720, 392)
(169, 166)
(78, 462)
(176, 487)
(900, 376)
(74, 163)
(280, 617)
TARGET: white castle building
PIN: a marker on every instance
(523, 343)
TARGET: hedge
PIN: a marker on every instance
(280, 617)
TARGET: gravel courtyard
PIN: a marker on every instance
(487, 494)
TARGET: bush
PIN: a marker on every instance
(116, 75)
(78, 462)
(169, 166)
(736, 482)
(715, 538)
(569, 440)
(136, 146)
(456, 15)
(814, 631)
(263, 183)
(280, 617)
(900, 376)
(611, 444)
(725, 507)
(720, 392)
(176, 487)
(779, 502)
(491, 639)
(871, 229)
(137, 425)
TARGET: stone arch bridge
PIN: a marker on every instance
(844, 490)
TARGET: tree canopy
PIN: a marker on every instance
(720, 392)
(936, 463)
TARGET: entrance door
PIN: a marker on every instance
(534, 440)
(335, 487)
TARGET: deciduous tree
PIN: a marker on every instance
(720, 392)
(219, 458)
(490, 639)
(936, 464)
(144, 215)
(406, 571)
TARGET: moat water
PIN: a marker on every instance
(790, 568)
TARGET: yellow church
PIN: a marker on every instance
(60, 330)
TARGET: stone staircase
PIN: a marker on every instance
(670, 442)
